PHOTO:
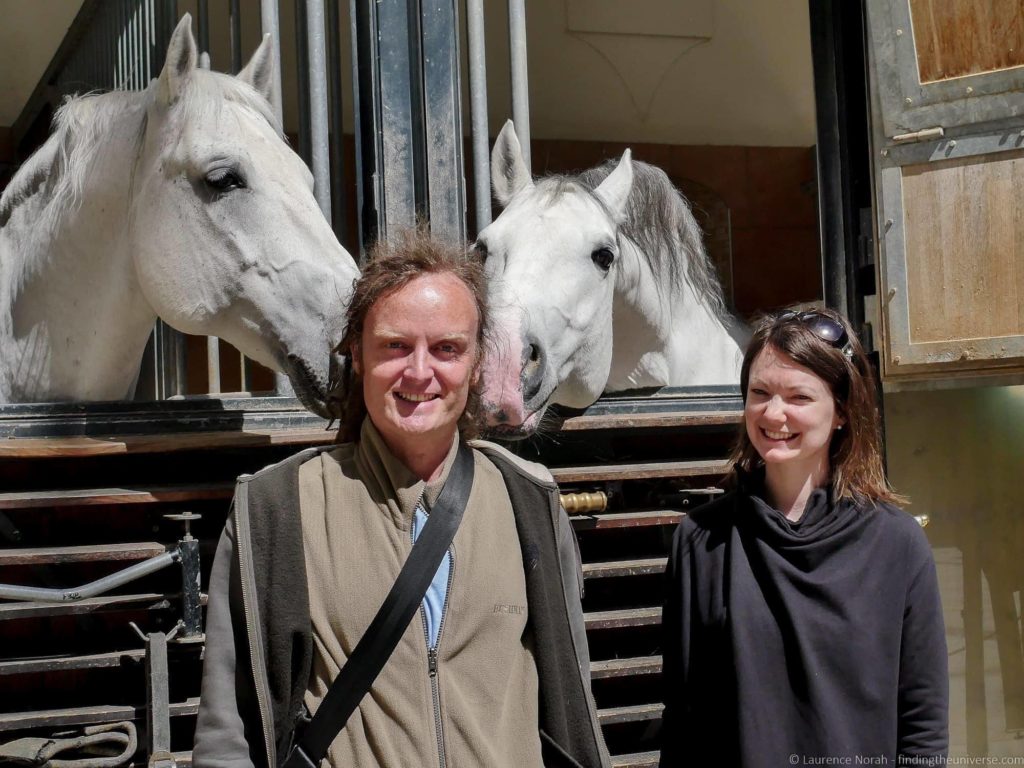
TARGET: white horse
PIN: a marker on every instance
(598, 283)
(182, 201)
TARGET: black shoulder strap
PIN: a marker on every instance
(378, 642)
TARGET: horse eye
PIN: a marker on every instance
(603, 257)
(481, 250)
(224, 179)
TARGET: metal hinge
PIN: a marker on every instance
(925, 134)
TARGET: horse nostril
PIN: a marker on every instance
(534, 353)
(532, 375)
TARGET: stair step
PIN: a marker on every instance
(642, 665)
(628, 617)
(80, 497)
(638, 470)
(82, 554)
(62, 663)
(632, 714)
(637, 760)
(15, 721)
(642, 567)
(634, 519)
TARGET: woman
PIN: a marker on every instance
(802, 619)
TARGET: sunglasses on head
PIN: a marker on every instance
(824, 327)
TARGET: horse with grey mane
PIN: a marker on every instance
(598, 282)
(182, 202)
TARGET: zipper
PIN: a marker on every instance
(241, 538)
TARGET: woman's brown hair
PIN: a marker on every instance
(391, 265)
(855, 453)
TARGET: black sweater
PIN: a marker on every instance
(786, 643)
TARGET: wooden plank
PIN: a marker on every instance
(632, 714)
(63, 447)
(44, 718)
(81, 497)
(643, 665)
(650, 420)
(82, 554)
(615, 568)
(91, 661)
(954, 38)
(628, 617)
(637, 760)
(635, 519)
(27, 610)
(640, 470)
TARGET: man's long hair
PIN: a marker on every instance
(391, 265)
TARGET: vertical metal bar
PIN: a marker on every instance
(319, 136)
(478, 113)
(366, 108)
(245, 373)
(269, 21)
(303, 77)
(236, 38)
(270, 25)
(191, 606)
(203, 23)
(336, 127)
(213, 364)
(412, 103)
(520, 79)
(158, 720)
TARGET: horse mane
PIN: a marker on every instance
(82, 125)
(659, 220)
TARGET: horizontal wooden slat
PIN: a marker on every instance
(629, 617)
(82, 554)
(637, 760)
(651, 420)
(144, 602)
(615, 568)
(80, 497)
(91, 661)
(636, 713)
(44, 718)
(635, 519)
(63, 447)
(639, 470)
(643, 665)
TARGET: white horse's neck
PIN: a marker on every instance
(68, 284)
(666, 334)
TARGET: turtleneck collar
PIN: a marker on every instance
(397, 486)
(820, 518)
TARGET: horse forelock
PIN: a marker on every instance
(206, 92)
(660, 222)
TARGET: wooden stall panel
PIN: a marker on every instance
(954, 38)
(964, 224)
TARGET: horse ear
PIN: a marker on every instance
(614, 190)
(259, 72)
(181, 60)
(509, 174)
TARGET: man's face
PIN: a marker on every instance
(417, 356)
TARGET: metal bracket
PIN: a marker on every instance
(925, 134)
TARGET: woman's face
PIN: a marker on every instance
(790, 413)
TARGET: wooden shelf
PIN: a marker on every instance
(643, 665)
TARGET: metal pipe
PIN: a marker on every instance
(336, 125)
(203, 22)
(213, 364)
(316, 47)
(236, 38)
(270, 25)
(478, 113)
(93, 588)
(303, 76)
(520, 80)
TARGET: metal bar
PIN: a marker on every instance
(245, 373)
(336, 127)
(213, 364)
(319, 134)
(93, 588)
(367, 111)
(478, 113)
(303, 77)
(158, 716)
(203, 23)
(413, 106)
(191, 609)
(236, 37)
(520, 79)
(270, 25)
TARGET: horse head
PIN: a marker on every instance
(226, 234)
(552, 263)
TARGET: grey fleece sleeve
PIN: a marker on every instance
(220, 732)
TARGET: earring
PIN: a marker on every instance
(839, 427)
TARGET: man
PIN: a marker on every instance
(494, 671)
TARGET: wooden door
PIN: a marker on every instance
(947, 91)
